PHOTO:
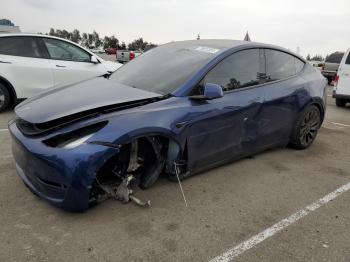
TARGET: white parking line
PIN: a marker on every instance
(3, 130)
(340, 124)
(233, 252)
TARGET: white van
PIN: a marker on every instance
(341, 91)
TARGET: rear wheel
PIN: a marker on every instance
(4, 97)
(306, 128)
(340, 102)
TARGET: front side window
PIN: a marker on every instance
(239, 70)
(61, 50)
(19, 46)
(280, 65)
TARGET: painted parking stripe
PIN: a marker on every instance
(3, 130)
(235, 251)
(340, 124)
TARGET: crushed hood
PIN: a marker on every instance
(76, 99)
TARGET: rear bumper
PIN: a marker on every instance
(62, 177)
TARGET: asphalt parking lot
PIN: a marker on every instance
(227, 206)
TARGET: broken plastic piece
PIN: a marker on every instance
(123, 193)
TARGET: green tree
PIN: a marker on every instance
(84, 40)
(308, 57)
(52, 32)
(75, 37)
(122, 46)
(137, 44)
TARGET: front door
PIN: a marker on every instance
(70, 63)
(228, 127)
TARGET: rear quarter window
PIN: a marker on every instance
(281, 65)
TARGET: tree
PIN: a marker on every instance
(75, 36)
(137, 44)
(308, 57)
(317, 58)
(52, 32)
(90, 39)
(106, 42)
(84, 41)
(122, 46)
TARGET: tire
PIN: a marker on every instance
(340, 102)
(5, 97)
(306, 128)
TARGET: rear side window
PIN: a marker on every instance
(280, 65)
(241, 69)
(347, 61)
(334, 57)
(19, 46)
(61, 50)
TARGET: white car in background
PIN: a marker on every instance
(32, 63)
(341, 91)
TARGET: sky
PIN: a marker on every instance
(316, 27)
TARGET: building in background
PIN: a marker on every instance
(6, 26)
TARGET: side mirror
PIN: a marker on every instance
(94, 60)
(211, 91)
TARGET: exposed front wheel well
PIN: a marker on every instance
(145, 158)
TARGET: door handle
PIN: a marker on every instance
(5, 62)
(60, 66)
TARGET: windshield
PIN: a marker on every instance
(165, 68)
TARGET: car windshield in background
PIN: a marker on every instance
(165, 68)
(335, 57)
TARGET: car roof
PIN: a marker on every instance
(225, 44)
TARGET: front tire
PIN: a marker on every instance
(5, 97)
(306, 128)
(340, 102)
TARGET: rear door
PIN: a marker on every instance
(343, 87)
(228, 127)
(284, 91)
(70, 63)
(23, 64)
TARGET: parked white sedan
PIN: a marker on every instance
(32, 63)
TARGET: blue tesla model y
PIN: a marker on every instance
(177, 109)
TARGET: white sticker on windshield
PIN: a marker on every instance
(206, 49)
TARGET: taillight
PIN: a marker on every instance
(131, 55)
(336, 80)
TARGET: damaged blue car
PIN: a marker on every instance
(176, 110)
